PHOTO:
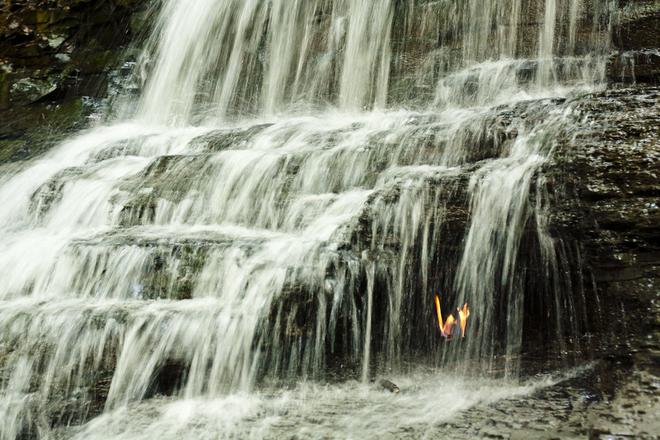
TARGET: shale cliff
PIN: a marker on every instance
(605, 188)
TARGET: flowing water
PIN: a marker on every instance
(278, 208)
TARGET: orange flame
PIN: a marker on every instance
(438, 311)
(463, 315)
(447, 327)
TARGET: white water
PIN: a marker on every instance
(277, 207)
(350, 410)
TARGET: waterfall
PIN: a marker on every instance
(295, 182)
(262, 55)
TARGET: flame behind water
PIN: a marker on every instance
(448, 327)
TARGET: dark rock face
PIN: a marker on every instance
(639, 25)
(606, 177)
(636, 36)
(55, 60)
(607, 190)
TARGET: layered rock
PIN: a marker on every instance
(610, 171)
(636, 37)
(606, 189)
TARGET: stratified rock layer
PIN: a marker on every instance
(605, 177)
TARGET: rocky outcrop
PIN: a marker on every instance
(604, 179)
(636, 36)
(57, 58)
(607, 188)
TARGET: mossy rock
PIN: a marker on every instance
(12, 150)
(31, 130)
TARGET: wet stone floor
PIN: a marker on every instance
(603, 400)
(575, 409)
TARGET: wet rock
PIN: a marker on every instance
(603, 402)
(53, 56)
(635, 66)
(31, 130)
(389, 386)
(605, 191)
(638, 25)
(636, 36)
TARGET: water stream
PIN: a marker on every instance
(295, 182)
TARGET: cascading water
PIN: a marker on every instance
(295, 182)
